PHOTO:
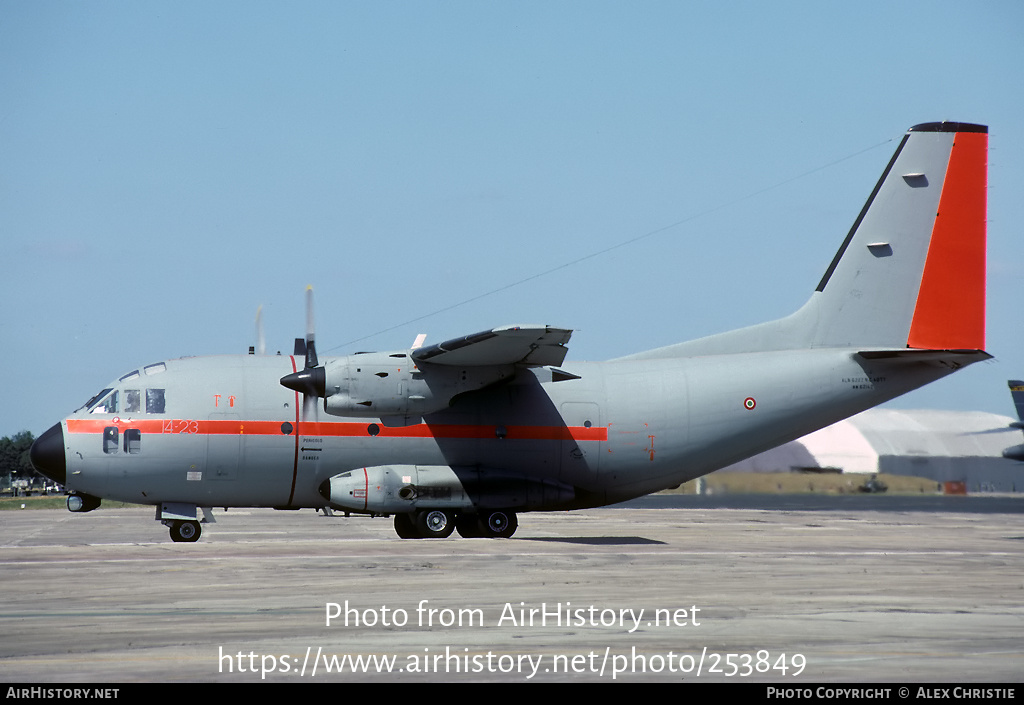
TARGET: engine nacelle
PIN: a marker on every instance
(375, 385)
(397, 489)
(1014, 453)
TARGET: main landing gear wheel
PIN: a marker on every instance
(427, 524)
(434, 524)
(468, 526)
(498, 524)
(404, 527)
(185, 531)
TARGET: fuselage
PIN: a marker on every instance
(222, 431)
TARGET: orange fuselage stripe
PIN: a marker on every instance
(343, 429)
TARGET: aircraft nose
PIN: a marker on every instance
(47, 454)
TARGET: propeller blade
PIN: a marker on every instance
(310, 410)
(261, 340)
(311, 380)
(311, 360)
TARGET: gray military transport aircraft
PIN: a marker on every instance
(468, 433)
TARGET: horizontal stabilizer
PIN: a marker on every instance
(912, 354)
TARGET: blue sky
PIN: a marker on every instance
(168, 167)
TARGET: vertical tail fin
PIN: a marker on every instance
(1017, 393)
(911, 272)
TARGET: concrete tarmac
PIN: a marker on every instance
(783, 590)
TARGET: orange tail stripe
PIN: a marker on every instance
(950, 311)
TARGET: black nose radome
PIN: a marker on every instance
(47, 454)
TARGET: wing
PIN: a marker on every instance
(524, 345)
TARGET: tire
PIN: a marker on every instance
(186, 531)
(499, 524)
(434, 524)
(404, 527)
(468, 526)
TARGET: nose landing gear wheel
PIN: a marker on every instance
(185, 531)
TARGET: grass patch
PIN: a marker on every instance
(52, 502)
(803, 483)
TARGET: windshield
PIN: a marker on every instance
(102, 403)
(132, 395)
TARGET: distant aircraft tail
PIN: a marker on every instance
(911, 272)
(1017, 394)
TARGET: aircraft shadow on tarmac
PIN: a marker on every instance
(598, 540)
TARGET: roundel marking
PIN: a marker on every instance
(749, 403)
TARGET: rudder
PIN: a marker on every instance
(950, 312)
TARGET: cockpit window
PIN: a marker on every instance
(103, 403)
(132, 401)
(155, 369)
(131, 375)
(155, 401)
